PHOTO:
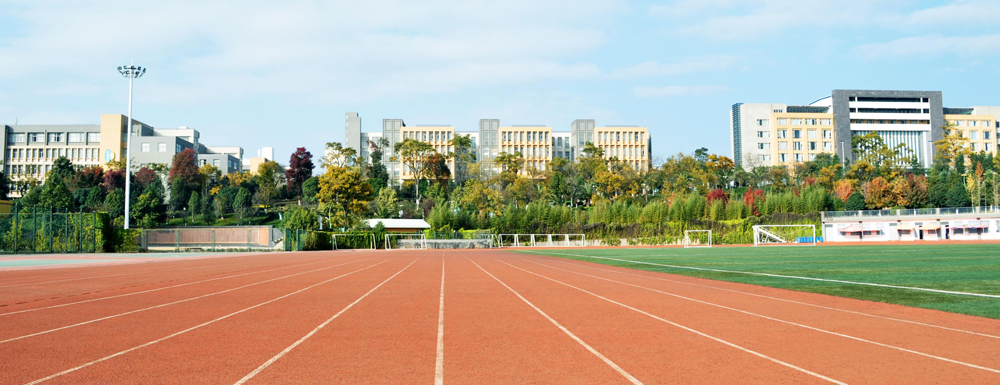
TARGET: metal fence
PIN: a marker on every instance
(35, 230)
(211, 238)
(898, 213)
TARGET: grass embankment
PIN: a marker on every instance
(962, 268)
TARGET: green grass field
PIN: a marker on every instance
(961, 268)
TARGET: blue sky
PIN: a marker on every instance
(282, 74)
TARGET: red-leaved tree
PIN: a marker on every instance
(300, 168)
(717, 194)
(752, 198)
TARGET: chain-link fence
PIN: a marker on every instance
(36, 230)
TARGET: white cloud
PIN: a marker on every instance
(692, 65)
(933, 45)
(315, 51)
(659, 92)
(962, 12)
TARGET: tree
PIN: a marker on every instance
(951, 145)
(194, 204)
(63, 169)
(300, 168)
(268, 178)
(94, 199)
(874, 158)
(300, 218)
(343, 191)
(878, 194)
(184, 177)
(463, 156)
(149, 207)
(114, 203)
(4, 190)
(855, 202)
(309, 189)
(377, 174)
(413, 155)
(958, 195)
(339, 156)
(56, 194)
(241, 202)
(144, 177)
(437, 168)
(386, 203)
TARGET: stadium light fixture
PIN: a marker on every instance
(131, 72)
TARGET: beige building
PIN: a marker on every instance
(799, 137)
(979, 129)
(438, 136)
(533, 142)
(629, 144)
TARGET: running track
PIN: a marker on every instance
(460, 317)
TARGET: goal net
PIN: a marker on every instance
(405, 241)
(541, 240)
(697, 238)
(784, 234)
(353, 241)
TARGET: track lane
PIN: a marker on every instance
(652, 350)
(91, 345)
(836, 355)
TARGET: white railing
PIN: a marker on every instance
(541, 240)
(897, 213)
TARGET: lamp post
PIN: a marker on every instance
(131, 72)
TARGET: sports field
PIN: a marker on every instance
(961, 278)
(457, 317)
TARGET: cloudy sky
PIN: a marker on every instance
(266, 73)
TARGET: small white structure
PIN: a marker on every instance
(400, 225)
(961, 223)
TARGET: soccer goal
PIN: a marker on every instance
(784, 234)
(697, 238)
(405, 241)
(353, 241)
(541, 240)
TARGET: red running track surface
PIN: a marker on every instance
(501, 318)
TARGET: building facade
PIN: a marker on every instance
(539, 144)
(764, 134)
(30, 150)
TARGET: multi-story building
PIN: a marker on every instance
(30, 150)
(977, 124)
(763, 134)
(533, 142)
(538, 144)
(629, 144)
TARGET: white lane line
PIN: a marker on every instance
(779, 275)
(859, 339)
(156, 341)
(106, 276)
(156, 289)
(317, 329)
(761, 355)
(166, 304)
(609, 270)
(439, 361)
(589, 348)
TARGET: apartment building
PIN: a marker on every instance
(29, 150)
(533, 142)
(629, 144)
(911, 118)
(539, 144)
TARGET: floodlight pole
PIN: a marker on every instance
(131, 72)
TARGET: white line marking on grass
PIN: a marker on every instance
(761, 355)
(166, 304)
(132, 349)
(779, 275)
(610, 270)
(589, 348)
(317, 329)
(859, 339)
(439, 361)
(158, 289)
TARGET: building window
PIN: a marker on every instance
(827, 146)
(824, 122)
(56, 137)
(827, 134)
(161, 147)
(93, 137)
(797, 145)
(36, 138)
(974, 135)
(764, 146)
(145, 147)
(796, 134)
(986, 134)
(762, 122)
(796, 122)
(810, 122)
(782, 121)
(782, 146)
(783, 158)
(798, 158)
(763, 134)
(75, 137)
(812, 146)
(15, 138)
(782, 134)
(812, 134)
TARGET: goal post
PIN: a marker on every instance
(405, 241)
(353, 241)
(697, 238)
(784, 234)
(540, 240)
